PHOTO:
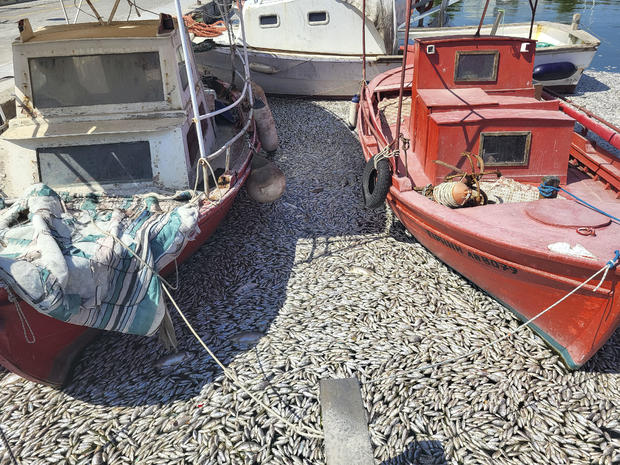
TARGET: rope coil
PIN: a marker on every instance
(202, 29)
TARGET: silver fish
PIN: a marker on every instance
(171, 360)
(246, 337)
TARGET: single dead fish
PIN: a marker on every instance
(245, 288)
(171, 360)
(10, 379)
(290, 205)
(97, 457)
(246, 337)
(361, 270)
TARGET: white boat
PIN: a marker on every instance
(303, 47)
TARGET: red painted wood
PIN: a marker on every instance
(504, 248)
(566, 214)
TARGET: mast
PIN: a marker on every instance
(402, 85)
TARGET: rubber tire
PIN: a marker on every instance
(376, 182)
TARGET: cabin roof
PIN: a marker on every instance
(116, 30)
(473, 96)
(513, 114)
(460, 38)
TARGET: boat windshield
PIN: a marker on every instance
(69, 81)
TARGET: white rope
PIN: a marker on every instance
(20, 313)
(442, 193)
(304, 430)
(609, 265)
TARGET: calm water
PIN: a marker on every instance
(599, 17)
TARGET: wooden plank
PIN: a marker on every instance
(347, 441)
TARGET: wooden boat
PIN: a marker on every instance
(108, 109)
(468, 108)
(322, 53)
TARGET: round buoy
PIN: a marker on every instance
(452, 194)
(376, 182)
(266, 182)
(353, 108)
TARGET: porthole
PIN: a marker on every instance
(318, 17)
(269, 20)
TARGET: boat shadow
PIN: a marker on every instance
(420, 453)
(589, 84)
(236, 285)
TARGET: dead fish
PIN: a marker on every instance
(245, 288)
(290, 205)
(170, 360)
(97, 457)
(10, 379)
(246, 337)
(361, 270)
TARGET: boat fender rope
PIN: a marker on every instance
(28, 333)
(377, 179)
(609, 265)
(547, 190)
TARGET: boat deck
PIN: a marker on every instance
(388, 111)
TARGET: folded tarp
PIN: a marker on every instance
(58, 255)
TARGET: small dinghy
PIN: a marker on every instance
(498, 184)
(108, 181)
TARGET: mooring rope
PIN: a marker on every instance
(303, 430)
(30, 339)
(547, 191)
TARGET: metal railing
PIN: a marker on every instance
(247, 88)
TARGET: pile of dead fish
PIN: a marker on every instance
(310, 287)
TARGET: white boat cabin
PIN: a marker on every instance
(320, 26)
(102, 108)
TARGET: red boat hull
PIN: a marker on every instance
(543, 258)
(576, 328)
(49, 359)
(525, 283)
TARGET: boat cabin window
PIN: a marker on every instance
(269, 20)
(476, 65)
(317, 17)
(122, 162)
(505, 148)
(182, 70)
(70, 81)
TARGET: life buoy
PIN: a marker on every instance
(376, 181)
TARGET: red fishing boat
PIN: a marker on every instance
(498, 184)
(112, 120)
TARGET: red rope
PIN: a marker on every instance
(202, 29)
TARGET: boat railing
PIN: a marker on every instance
(247, 90)
(441, 9)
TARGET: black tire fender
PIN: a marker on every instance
(376, 182)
